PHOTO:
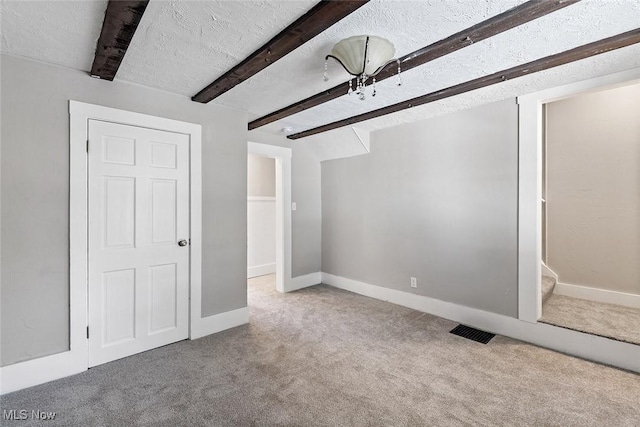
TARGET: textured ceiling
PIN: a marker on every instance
(181, 46)
(570, 27)
(409, 25)
(58, 32)
(341, 142)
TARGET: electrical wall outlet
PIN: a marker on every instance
(414, 282)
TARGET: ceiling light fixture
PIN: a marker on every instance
(363, 57)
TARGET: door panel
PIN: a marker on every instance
(163, 155)
(118, 292)
(138, 211)
(163, 211)
(119, 212)
(119, 150)
(163, 297)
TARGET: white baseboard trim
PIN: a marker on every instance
(620, 354)
(220, 322)
(546, 271)
(305, 281)
(38, 371)
(598, 295)
(261, 270)
(591, 347)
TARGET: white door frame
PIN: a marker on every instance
(282, 155)
(530, 183)
(80, 114)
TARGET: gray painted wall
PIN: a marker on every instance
(261, 176)
(435, 200)
(306, 221)
(593, 189)
(34, 290)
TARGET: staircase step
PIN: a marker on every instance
(548, 283)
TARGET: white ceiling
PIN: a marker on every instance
(181, 46)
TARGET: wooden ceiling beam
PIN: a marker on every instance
(585, 51)
(495, 25)
(120, 23)
(319, 18)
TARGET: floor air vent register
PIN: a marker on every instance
(472, 334)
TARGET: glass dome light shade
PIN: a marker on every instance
(350, 52)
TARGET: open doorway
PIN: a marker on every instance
(590, 218)
(579, 198)
(261, 223)
(261, 228)
(260, 259)
(261, 216)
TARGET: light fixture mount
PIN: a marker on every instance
(363, 57)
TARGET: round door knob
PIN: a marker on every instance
(183, 242)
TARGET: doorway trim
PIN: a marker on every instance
(282, 155)
(530, 138)
(80, 114)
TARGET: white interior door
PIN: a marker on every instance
(138, 215)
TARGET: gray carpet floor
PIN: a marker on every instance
(326, 357)
(607, 320)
